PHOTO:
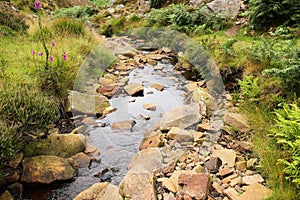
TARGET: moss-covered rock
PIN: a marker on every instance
(56, 145)
(46, 169)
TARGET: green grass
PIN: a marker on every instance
(261, 121)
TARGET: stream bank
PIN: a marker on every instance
(148, 106)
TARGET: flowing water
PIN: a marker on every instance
(118, 147)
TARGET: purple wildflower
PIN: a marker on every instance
(64, 56)
(51, 58)
(32, 52)
(53, 44)
(37, 5)
(41, 54)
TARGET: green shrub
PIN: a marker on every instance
(249, 87)
(287, 135)
(280, 58)
(267, 13)
(69, 27)
(100, 3)
(47, 33)
(26, 107)
(10, 144)
(83, 12)
(182, 18)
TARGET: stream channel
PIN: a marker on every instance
(118, 147)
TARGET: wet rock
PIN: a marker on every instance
(100, 191)
(109, 109)
(158, 67)
(138, 185)
(150, 106)
(80, 160)
(147, 160)
(236, 120)
(227, 156)
(134, 89)
(79, 130)
(106, 81)
(181, 116)
(16, 190)
(108, 90)
(157, 86)
(213, 164)
(6, 196)
(89, 104)
(180, 135)
(228, 9)
(62, 145)
(194, 185)
(15, 163)
(89, 121)
(46, 169)
(253, 179)
(90, 148)
(123, 125)
(167, 183)
(150, 142)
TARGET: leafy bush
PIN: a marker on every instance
(266, 13)
(287, 135)
(280, 59)
(249, 87)
(185, 19)
(83, 12)
(26, 107)
(69, 27)
(10, 144)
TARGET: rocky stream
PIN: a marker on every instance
(153, 127)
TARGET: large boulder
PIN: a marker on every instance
(181, 116)
(100, 191)
(62, 145)
(227, 8)
(137, 186)
(147, 160)
(88, 104)
(46, 169)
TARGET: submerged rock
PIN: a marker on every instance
(100, 191)
(62, 145)
(123, 125)
(46, 169)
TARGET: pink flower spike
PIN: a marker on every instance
(53, 44)
(65, 56)
(32, 52)
(37, 5)
(41, 54)
(51, 58)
